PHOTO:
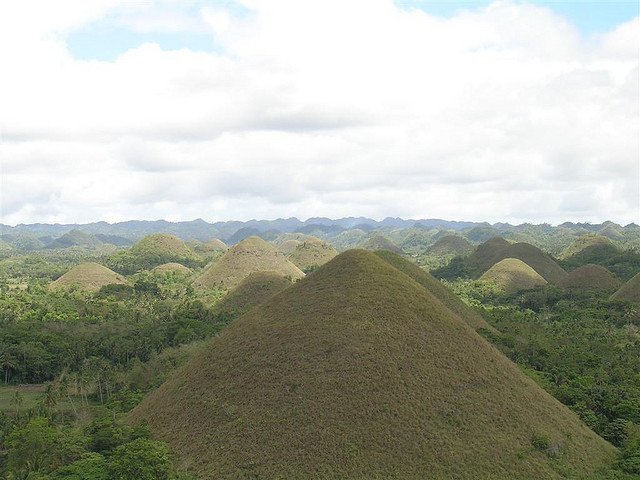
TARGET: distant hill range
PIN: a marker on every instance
(343, 233)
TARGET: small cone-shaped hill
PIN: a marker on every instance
(90, 276)
(451, 245)
(289, 246)
(172, 267)
(313, 252)
(379, 242)
(159, 248)
(252, 254)
(358, 372)
(496, 249)
(253, 290)
(437, 289)
(630, 291)
(513, 275)
(586, 242)
(591, 278)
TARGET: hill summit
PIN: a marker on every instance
(312, 252)
(253, 254)
(90, 276)
(630, 291)
(513, 275)
(379, 242)
(591, 278)
(357, 371)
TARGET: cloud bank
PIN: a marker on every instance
(504, 113)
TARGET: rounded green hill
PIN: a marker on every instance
(312, 252)
(252, 254)
(451, 245)
(513, 275)
(212, 246)
(89, 276)
(591, 278)
(379, 242)
(357, 371)
(585, 242)
(630, 291)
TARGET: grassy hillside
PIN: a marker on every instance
(378, 242)
(251, 255)
(451, 244)
(591, 278)
(358, 372)
(437, 289)
(585, 242)
(630, 291)
(89, 276)
(513, 275)
(289, 246)
(253, 290)
(312, 253)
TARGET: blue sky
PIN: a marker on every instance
(107, 38)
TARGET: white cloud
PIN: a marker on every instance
(326, 108)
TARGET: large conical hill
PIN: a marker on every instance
(311, 253)
(591, 278)
(89, 276)
(629, 291)
(253, 254)
(437, 289)
(488, 253)
(513, 275)
(358, 372)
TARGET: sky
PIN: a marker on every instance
(503, 111)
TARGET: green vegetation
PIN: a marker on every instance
(512, 275)
(359, 372)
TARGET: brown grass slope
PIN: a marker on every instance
(212, 246)
(451, 245)
(513, 275)
(253, 290)
(312, 252)
(358, 372)
(289, 246)
(90, 276)
(630, 291)
(172, 267)
(591, 278)
(252, 254)
(437, 289)
(378, 242)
